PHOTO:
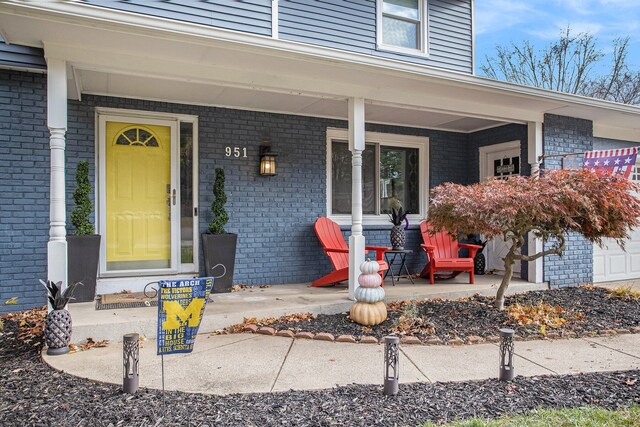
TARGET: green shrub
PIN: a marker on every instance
(84, 207)
(220, 215)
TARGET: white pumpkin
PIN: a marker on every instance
(370, 280)
(369, 295)
(368, 314)
(369, 267)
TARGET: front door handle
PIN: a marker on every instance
(174, 197)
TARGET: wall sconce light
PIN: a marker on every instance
(267, 159)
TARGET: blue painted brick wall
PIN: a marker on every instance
(24, 195)
(568, 135)
(273, 216)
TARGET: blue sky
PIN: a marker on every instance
(540, 22)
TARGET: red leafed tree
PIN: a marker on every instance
(559, 202)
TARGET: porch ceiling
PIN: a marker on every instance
(114, 53)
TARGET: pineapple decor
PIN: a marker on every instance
(57, 330)
(398, 218)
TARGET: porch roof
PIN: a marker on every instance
(116, 53)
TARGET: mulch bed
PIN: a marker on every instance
(587, 311)
(33, 394)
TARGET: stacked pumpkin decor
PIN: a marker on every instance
(369, 308)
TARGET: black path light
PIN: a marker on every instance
(130, 359)
(391, 365)
(506, 354)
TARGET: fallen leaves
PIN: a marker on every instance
(31, 325)
(413, 325)
(542, 315)
(625, 293)
(266, 321)
(88, 345)
(238, 288)
(11, 301)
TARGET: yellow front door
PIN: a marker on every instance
(138, 196)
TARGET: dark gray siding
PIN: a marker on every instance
(12, 55)
(351, 25)
(250, 16)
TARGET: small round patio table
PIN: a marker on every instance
(390, 256)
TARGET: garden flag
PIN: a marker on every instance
(622, 161)
(181, 304)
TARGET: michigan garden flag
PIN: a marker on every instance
(181, 305)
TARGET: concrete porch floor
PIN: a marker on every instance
(227, 309)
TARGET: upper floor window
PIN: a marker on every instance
(393, 175)
(402, 25)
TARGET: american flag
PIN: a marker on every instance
(621, 161)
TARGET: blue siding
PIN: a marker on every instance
(351, 25)
(12, 55)
(348, 25)
(250, 16)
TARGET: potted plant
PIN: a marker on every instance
(398, 218)
(83, 248)
(219, 247)
(57, 330)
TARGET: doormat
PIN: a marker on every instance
(125, 300)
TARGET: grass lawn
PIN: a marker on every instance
(578, 417)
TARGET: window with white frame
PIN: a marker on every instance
(402, 25)
(393, 175)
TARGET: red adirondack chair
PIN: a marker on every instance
(336, 248)
(442, 251)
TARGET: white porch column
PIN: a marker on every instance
(356, 146)
(535, 245)
(57, 123)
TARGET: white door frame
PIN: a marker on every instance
(484, 153)
(126, 116)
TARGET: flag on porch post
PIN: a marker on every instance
(622, 161)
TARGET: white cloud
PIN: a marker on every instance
(496, 15)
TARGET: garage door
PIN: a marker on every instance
(612, 263)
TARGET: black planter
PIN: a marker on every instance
(83, 254)
(220, 249)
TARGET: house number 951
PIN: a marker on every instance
(235, 151)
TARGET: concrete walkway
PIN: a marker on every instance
(248, 363)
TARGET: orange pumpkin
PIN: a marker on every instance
(368, 314)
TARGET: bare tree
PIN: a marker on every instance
(567, 65)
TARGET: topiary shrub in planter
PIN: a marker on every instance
(219, 247)
(83, 248)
